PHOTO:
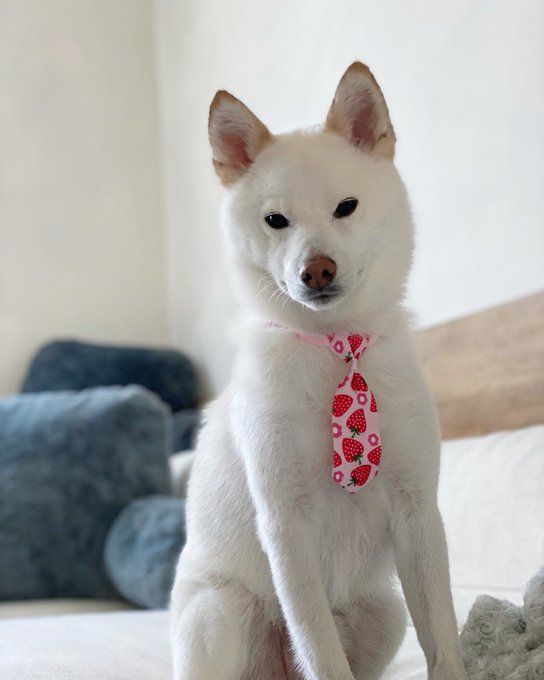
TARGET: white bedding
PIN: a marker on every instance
(24, 609)
(134, 646)
(492, 500)
(111, 646)
(491, 496)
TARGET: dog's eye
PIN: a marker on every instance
(276, 221)
(346, 207)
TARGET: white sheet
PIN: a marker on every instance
(491, 496)
(111, 646)
(24, 609)
(134, 646)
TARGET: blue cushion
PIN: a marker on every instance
(142, 549)
(185, 427)
(71, 365)
(69, 463)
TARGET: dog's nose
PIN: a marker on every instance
(319, 272)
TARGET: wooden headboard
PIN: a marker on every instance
(486, 370)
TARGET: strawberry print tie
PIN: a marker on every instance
(355, 428)
(355, 431)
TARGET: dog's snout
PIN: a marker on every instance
(318, 273)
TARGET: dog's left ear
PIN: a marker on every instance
(236, 136)
(359, 113)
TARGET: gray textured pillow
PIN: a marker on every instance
(143, 547)
(69, 463)
(72, 365)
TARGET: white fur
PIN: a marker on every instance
(282, 564)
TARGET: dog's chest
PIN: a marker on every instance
(354, 537)
(351, 530)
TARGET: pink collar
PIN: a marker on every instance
(322, 339)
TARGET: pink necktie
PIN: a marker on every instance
(355, 427)
(355, 422)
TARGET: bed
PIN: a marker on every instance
(487, 374)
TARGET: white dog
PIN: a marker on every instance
(285, 575)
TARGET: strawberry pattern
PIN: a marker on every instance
(341, 404)
(360, 475)
(358, 383)
(355, 419)
(374, 456)
(352, 450)
(355, 423)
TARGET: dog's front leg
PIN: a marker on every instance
(422, 563)
(273, 455)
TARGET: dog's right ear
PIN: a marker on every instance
(236, 137)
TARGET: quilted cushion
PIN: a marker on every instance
(71, 365)
(185, 427)
(69, 462)
(143, 547)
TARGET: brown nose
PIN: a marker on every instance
(319, 272)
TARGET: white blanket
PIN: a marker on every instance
(493, 507)
(134, 646)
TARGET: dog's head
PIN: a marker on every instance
(317, 223)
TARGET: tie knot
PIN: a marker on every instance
(349, 346)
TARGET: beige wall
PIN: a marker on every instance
(91, 246)
(464, 82)
(81, 234)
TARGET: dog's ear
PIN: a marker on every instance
(359, 113)
(236, 136)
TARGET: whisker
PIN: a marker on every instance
(267, 284)
(277, 292)
(287, 299)
(270, 283)
(263, 278)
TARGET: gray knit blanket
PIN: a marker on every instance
(501, 641)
